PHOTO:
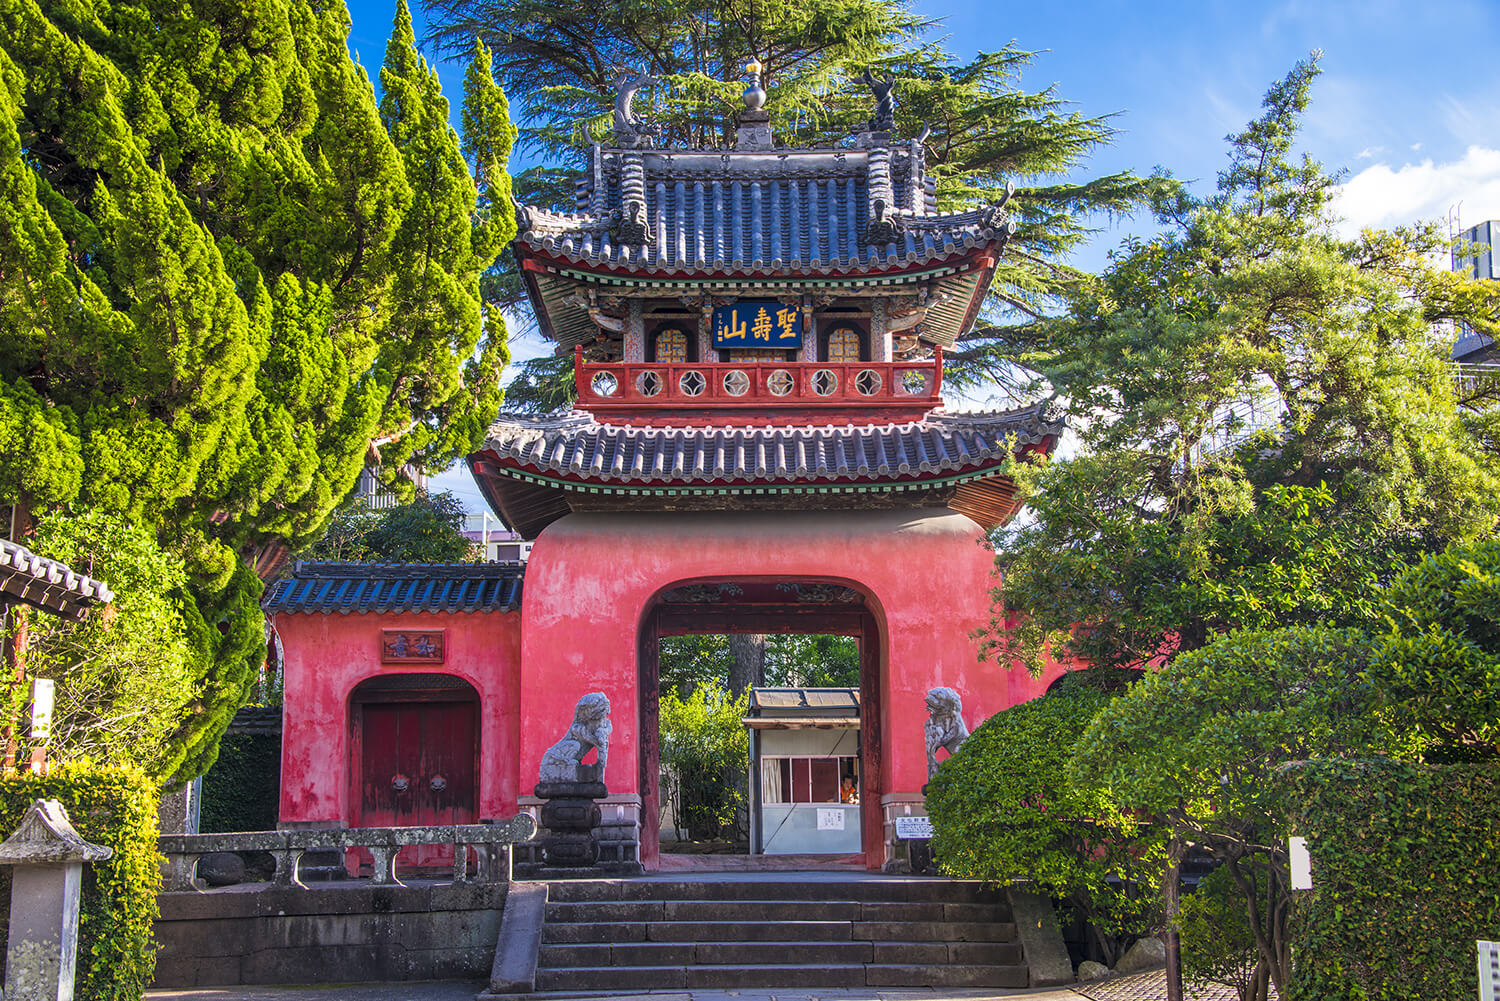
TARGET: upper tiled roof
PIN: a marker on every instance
(576, 446)
(397, 587)
(47, 584)
(787, 212)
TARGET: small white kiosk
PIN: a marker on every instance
(804, 771)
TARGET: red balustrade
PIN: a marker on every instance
(915, 386)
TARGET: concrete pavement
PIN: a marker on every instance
(450, 991)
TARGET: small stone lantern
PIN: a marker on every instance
(48, 857)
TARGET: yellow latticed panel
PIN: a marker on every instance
(843, 345)
(671, 346)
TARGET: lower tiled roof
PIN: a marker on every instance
(576, 446)
(397, 587)
(47, 584)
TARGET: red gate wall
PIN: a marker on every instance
(926, 574)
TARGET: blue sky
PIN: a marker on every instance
(1408, 103)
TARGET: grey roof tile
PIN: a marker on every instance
(798, 212)
(47, 584)
(575, 444)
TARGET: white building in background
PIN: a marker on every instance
(1473, 347)
(377, 497)
(501, 545)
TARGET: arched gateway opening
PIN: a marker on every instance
(765, 605)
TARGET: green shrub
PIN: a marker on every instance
(1218, 944)
(112, 805)
(1404, 863)
(704, 743)
(1003, 811)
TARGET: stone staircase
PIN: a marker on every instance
(638, 935)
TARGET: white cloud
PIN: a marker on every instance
(1382, 196)
(1369, 152)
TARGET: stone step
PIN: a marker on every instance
(739, 931)
(933, 931)
(715, 910)
(778, 931)
(887, 890)
(684, 953)
(618, 978)
(770, 910)
(694, 931)
(708, 953)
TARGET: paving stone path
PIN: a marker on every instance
(1152, 986)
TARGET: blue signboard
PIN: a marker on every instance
(754, 323)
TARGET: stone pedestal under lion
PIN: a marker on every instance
(569, 788)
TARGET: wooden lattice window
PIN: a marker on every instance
(671, 346)
(843, 345)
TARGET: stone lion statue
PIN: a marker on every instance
(591, 729)
(945, 724)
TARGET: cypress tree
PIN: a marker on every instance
(224, 273)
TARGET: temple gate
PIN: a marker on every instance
(759, 443)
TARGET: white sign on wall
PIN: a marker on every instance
(913, 827)
(1300, 862)
(830, 820)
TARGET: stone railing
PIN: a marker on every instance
(491, 844)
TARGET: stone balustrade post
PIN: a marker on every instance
(47, 856)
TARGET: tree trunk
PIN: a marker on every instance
(749, 667)
(1171, 896)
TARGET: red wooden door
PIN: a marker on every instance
(417, 764)
(417, 769)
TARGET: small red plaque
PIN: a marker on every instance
(411, 646)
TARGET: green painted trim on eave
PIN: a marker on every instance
(890, 486)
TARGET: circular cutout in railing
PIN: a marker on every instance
(825, 382)
(692, 383)
(780, 382)
(648, 383)
(736, 382)
(914, 382)
(867, 382)
(604, 384)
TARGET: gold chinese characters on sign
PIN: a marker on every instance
(757, 324)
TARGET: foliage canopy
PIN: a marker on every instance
(226, 275)
(1268, 425)
(1003, 809)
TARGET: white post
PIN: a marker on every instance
(1489, 971)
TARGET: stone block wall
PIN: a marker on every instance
(263, 934)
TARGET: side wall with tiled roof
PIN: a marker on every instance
(329, 655)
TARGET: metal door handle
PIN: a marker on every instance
(438, 783)
(400, 783)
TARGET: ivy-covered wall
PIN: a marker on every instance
(1406, 877)
(110, 805)
(242, 789)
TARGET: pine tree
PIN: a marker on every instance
(987, 131)
(224, 274)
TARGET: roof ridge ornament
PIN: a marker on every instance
(885, 102)
(631, 131)
(755, 95)
(754, 123)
